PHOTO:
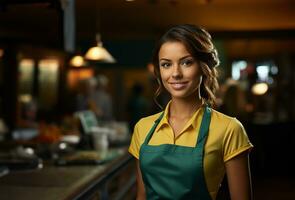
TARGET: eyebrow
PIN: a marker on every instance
(184, 57)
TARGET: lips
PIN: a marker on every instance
(178, 85)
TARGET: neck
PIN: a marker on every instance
(184, 108)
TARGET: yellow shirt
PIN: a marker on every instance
(226, 139)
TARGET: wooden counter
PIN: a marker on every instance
(63, 183)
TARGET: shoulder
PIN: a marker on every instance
(224, 124)
(228, 134)
(147, 122)
(219, 115)
(222, 120)
(140, 132)
(229, 127)
(144, 125)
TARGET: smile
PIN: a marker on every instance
(178, 85)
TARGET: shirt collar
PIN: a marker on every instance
(192, 121)
(164, 120)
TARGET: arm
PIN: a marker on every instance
(140, 185)
(239, 179)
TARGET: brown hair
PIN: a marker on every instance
(199, 43)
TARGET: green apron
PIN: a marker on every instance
(175, 172)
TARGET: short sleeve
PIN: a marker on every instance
(135, 142)
(235, 141)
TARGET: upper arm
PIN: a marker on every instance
(136, 142)
(239, 178)
(236, 148)
(235, 140)
(140, 185)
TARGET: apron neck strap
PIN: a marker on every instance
(204, 128)
(203, 132)
(148, 137)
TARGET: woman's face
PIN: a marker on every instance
(180, 72)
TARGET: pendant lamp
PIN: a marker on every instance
(99, 53)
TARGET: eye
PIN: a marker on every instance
(187, 62)
(165, 64)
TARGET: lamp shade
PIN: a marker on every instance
(99, 53)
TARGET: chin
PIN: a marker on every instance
(183, 94)
(180, 95)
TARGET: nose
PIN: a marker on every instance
(176, 73)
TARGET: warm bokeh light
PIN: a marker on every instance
(1, 52)
(48, 78)
(26, 75)
(150, 67)
(77, 61)
(50, 64)
(26, 62)
(259, 88)
(25, 98)
(76, 75)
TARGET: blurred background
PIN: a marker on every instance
(49, 73)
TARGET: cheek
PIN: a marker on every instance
(163, 75)
(193, 74)
(164, 81)
(196, 77)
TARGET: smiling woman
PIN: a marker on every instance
(179, 71)
(192, 50)
(185, 151)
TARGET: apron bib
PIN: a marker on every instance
(175, 172)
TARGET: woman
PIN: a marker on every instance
(184, 151)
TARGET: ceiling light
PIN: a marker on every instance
(99, 53)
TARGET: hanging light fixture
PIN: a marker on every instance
(99, 53)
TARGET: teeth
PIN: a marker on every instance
(178, 85)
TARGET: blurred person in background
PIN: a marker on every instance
(83, 93)
(102, 102)
(28, 111)
(234, 101)
(137, 104)
(184, 151)
(93, 96)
